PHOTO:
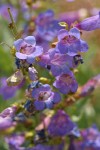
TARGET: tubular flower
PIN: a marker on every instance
(6, 118)
(89, 24)
(47, 27)
(44, 97)
(60, 124)
(70, 42)
(66, 83)
(15, 141)
(27, 49)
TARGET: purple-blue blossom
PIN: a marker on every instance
(6, 123)
(15, 141)
(70, 42)
(8, 112)
(5, 91)
(44, 97)
(46, 26)
(55, 62)
(66, 83)
(89, 24)
(60, 124)
(27, 49)
(90, 139)
(90, 86)
(58, 63)
(6, 118)
(45, 17)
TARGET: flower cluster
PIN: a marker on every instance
(59, 61)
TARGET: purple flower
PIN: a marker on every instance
(52, 30)
(59, 63)
(47, 27)
(70, 42)
(6, 123)
(44, 97)
(6, 91)
(8, 112)
(90, 139)
(66, 83)
(49, 31)
(6, 118)
(97, 80)
(15, 141)
(89, 24)
(55, 62)
(60, 124)
(45, 17)
(27, 49)
(90, 86)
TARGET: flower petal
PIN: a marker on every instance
(18, 44)
(56, 70)
(84, 46)
(49, 103)
(30, 59)
(56, 97)
(30, 40)
(89, 24)
(74, 87)
(62, 33)
(36, 53)
(39, 105)
(74, 48)
(75, 32)
(64, 89)
(61, 48)
(21, 56)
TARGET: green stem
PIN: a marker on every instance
(3, 43)
(13, 22)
